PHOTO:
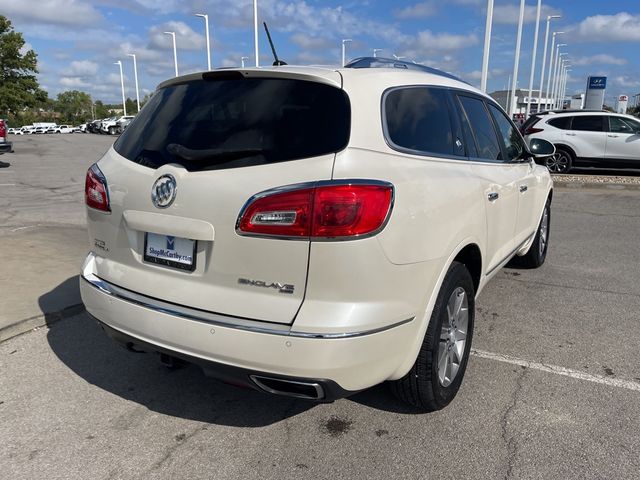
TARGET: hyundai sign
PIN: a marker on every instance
(597, 83)
(594, 99)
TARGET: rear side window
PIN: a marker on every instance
(563, 123)
(482, 127)
(237, 122)
(419, 119)
(590, 123)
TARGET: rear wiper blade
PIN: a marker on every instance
(191, 155)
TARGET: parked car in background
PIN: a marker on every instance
(80, 128)
(40, 130)
(585, 138)
(112, 125)
(5, 145)
(63, 129)
(123, 124)
(329, 237)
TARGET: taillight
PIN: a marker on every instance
(531, 130)
(95, 190)
(327, 210)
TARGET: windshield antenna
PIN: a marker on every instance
(277, 62)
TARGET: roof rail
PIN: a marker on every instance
(380, 62)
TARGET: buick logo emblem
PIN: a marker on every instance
(163, 192)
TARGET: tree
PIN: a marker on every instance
(19, 87)
(74, 106)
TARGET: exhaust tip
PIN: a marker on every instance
(289, 388)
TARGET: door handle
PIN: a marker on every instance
(523, 188)
(493, 196)
(612, 136)
(570, 134)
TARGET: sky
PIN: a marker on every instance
(78, 41)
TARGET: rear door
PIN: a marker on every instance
(623, 140)
(499, 178)
(588, 136)
(213, 144)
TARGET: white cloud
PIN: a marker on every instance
(74, 82)
(53, 12)
(418, 10)
(186, 38)
(308, 42)
(427, 41)
(509, 14)
(600, 59)
(622, 27)
(82, 68)
(626, 81)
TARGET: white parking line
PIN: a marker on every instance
(567, 372)
(7, 184)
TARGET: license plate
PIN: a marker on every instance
(175, 252)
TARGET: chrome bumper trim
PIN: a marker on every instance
(215, 318)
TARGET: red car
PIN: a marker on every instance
(5, 146)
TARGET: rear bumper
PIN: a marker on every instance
(234, 350)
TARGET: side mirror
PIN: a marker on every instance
(541, 148)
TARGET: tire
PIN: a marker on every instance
(537, 253)
(561, 162)
(427, 386)
(112, 130)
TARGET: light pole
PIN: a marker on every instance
(487, 46)
(375, 52)
(565, 64)
(135, 76)
(551, 58)
(533, 59)
(206, 32)
(544, 58)
(516, 63)
(242, 59)
(564, 86)
(124, 102)
(556, 74)
(175, 51)
(344, 50)
(255, 31)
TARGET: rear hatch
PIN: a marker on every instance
(217, 141)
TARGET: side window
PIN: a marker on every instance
(563, 123)
(623, 125)
(590, 123)
(513, 143)
(419, 119)
(482, 127)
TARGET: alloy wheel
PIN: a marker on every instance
(558, 163)
(453, 337)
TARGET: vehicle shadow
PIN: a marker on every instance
(85, 349)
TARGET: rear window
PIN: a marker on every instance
(563, 123)
(237, 122)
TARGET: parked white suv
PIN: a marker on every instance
(112, 126)
(312, 232)
(587, 138)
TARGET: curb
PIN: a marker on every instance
(29, 324)
(598, 182)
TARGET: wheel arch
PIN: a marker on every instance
(468, 253)
(564, 146)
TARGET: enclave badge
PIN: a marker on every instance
(163, 192)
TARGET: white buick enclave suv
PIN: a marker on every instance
(312, 232)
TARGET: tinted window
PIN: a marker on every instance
(482, 126)
(512, 141)
(592, 123)
(420, 119)
(236, 122)
(623, 125)
(563, 123)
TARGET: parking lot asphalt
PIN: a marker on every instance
(552, 390)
